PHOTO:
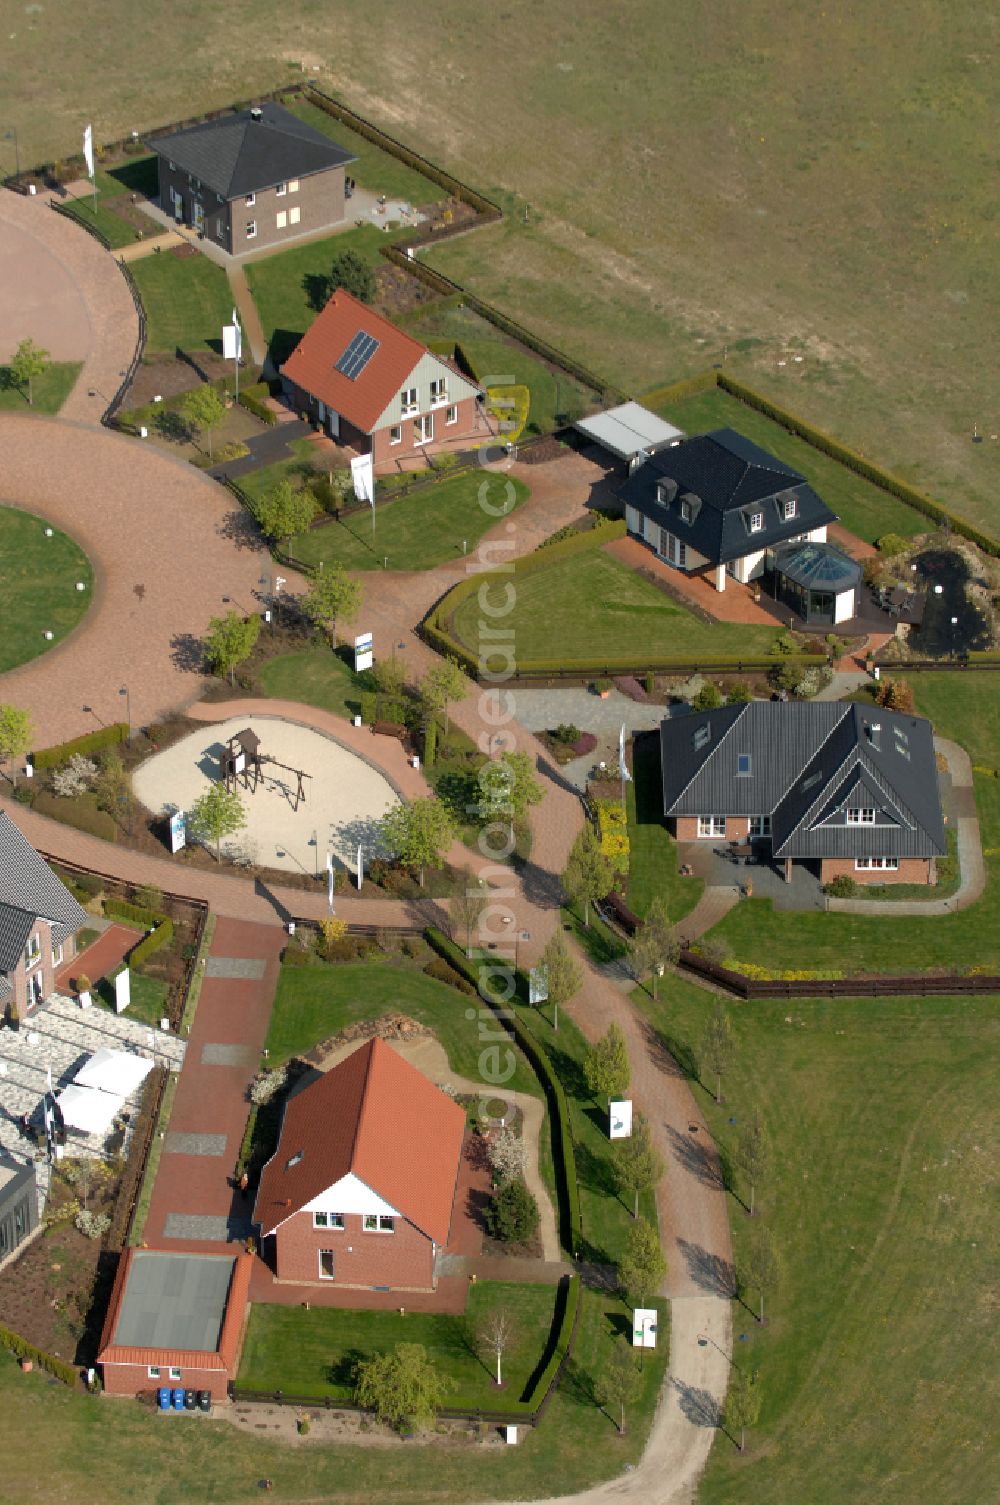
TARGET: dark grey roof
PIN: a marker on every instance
(817, 566)
(174, 1301)
(29, 890)
(723, 480)
(239, 154)
(810, 761)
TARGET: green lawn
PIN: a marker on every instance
(652, 850)
(878, 1378)
(601, 943)
(556, 399)
(314, 1353)
(138, 175)
(187, 301)
(591, 606)
(38, 579)
(966, 708)
(49, 391)
(286, 286)
(314, 676)
(374, 169)
(862, 508)
(298, 469)
(412, 532)
(317, 1001)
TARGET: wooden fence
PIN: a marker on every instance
(920, 984)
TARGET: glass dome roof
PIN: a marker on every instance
(817, 566)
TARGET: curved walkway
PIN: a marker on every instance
(156, 532)
(972, 868)
(61, 288)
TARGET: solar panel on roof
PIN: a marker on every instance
(357, 355)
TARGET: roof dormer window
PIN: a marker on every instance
(861, 817)
(756, 522)
(666, 490)
(789, 507)
(685, 510)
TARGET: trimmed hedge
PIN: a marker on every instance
(22, 1349)
(563, 1154)
(136, 914)
(689, 386)
(252, 398)
(105, 736)
(161, 928)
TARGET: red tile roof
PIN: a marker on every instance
(375, 1116)
(225, 1357)
(312, 363)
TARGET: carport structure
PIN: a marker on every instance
(630, 432)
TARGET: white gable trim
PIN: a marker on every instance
(350, 1194)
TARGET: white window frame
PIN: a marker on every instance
(685, 512)
(860, 817)
(876, 864)
(756, 522)
(332, 1221)
(424, 422)
(452, 415)
(251, 228)
(760, 825)
(280, 190)
(369, 1222)
(319, 1263)
(153, 1372)
(57, 953)
(396, 434)
(320, 1220)
(33, 951)
(174, 1373)
(711, 827)
(386, 1223)
(439, 391)
(250, 200)
(293, 185)
(294, 215)
(790, 507)
(281, 219)
(409, 402)
(171, 166)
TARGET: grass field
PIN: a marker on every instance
(374, 169)
(187, 301)
(965, 708)
(38, 579)
(286, 286)
(313, 1353)
(49, 391)
(411, 533)
(652, 850)
(875, 1363)
(860, 506)
(591, 606)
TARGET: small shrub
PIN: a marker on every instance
(708, 698)
(369, 707)
(75, 777)
(267, 1085)
(892, 544)
(841, 887)
(650, 682)
(786, 677)
(332, 929)
(512, 1215)
(585, 743)
(302, 1426)
(93, 1225)
(895, 695)
(506, 1156)
(566, 732)
(812, 681)
(739, 692)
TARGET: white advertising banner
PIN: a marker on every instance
(621, 1120)
(88, 150)
(363, 476)
(178, 832)
(644, 1320)
(231, 342)
(364, 645)
(123, 990)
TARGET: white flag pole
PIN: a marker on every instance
(239, 351)
(329, 881)
(361, 866)
(88, 154)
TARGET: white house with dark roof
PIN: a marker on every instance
(844, 787)
(718, 504)
(39, 919)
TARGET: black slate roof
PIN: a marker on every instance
(810, 761)
(29, 890)
(238, 154)
(722, 479)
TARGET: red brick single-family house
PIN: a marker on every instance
(361, 1188)
(375, 388)
(846, 788)
(175, 1320)
(39, 919)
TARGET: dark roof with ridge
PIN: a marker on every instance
(29, 890)
(238, 154)
(724, 477)
(810, 761)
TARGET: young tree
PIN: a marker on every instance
(654, 945)
(467, 904)
(17, 732)
(507, 787)
(402, 1387)
(28, 361)
(112, 790)
(753, 1155)
(638, 1164)
(562, 975)
(353, 273)
(217, 813)
(204, 409)
(605, 1066)
(419, 833)
(389, 676)
(717, 1045)
(759, 1268)
(495, 1333)
(444, 682)
(588, 877)
(230, 641)
(284, 513)
(332, 597)
(642, 1266)
(507, 1157)
(618, 1382)
(742, 1402)
(512, 1215)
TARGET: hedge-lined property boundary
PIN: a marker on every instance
(563, 1155)
(160, 927)
(22, 1349)
(105, 736)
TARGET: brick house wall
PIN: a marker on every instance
(133, 1379)
(685, 828)
(385, 454)
(910, 870)
(45, 969)
(403, 1260)
(317, 203)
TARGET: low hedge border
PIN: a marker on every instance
(563, 1155)
(160, 926)
(61, 752)
(252, 398)
(22, 1349)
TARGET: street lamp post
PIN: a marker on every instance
(128, 709)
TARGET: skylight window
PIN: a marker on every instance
(743, 765)
(295, 1160)
(812, 781)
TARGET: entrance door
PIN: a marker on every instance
(198, 216)
(36, 992)
(333, 423)
(178, 205)
(423, 429)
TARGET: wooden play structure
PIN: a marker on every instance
(243, 763)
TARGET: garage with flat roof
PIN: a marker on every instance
(630, 432)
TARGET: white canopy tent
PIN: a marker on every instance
(116, 1071)
(87, 1109)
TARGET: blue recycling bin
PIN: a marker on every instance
(178, 1400)
(163, 1395)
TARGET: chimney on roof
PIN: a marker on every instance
(256, 113)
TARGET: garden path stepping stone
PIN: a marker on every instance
(249, 968)
(194, 1144)
(228, 1055)
(205, 1227)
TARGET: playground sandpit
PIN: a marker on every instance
(341, 802)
